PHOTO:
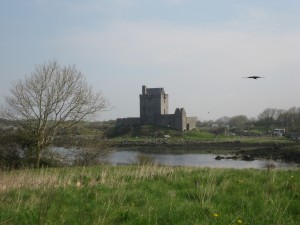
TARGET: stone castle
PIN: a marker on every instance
(154, 110)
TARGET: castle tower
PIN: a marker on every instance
(154, 102)
(154, 110)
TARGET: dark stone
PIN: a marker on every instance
(247, 158)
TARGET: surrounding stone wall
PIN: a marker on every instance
(178, 120)
(191, 123)
(167, 120)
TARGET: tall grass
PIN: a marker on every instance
(149, 194)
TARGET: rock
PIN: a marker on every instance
(232, 157)
(219, 158)
(247, 158)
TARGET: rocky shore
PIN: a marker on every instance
(277, 154)
(182, 142)
(287, 152)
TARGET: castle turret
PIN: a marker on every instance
(144, 90)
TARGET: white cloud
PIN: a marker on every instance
(208, 65)
(199, 59)
(254, 19)
(151, 44)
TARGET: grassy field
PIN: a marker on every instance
(148, 133)
(149, 194)
(207, 136)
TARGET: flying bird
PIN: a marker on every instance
(254, 77)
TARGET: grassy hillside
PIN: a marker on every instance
(149, 194)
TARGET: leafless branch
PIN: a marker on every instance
(52, 97)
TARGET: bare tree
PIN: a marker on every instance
(291, 119)
(270, 114)
(53, 97)
(239, 121)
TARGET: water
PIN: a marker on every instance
(130, 156)
(181, 157)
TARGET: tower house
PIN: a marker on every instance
(154, 102)
(154, 110)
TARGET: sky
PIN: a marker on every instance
(199, 51)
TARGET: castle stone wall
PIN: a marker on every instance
(168, 120)
(154, 107)
(190, 123)
(153, 103)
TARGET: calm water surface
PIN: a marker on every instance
(130, 156)
(180, 157)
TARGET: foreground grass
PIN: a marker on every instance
(149, 194)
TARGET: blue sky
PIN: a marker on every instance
(198, 50)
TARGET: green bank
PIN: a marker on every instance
(149, 194)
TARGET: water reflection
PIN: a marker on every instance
(178, 157)
(122, 156)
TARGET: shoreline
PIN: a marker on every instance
(287, 152)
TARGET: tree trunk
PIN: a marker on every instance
(38, 156)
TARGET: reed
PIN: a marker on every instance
(149, 194)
